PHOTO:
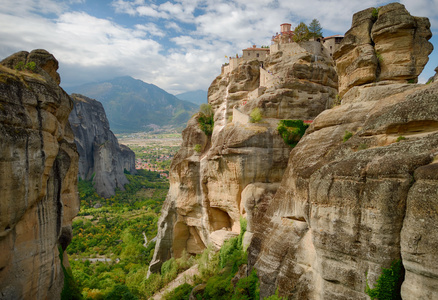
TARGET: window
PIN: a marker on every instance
(249, 54)
(258, 55)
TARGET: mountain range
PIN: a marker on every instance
(132, 105)
(197, 97)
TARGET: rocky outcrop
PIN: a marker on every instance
(346, 208)
(383, 44)
(214, 181)
(38, 177)
(101, 158)
(433, 78)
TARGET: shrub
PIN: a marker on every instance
(388, 284)
(248, 287)
(120, 292)
(400, 138)
(31, 66)
(197, 148)
(182, 292)
(375, 13)
(206, 109)
(19, 66)
(206, 119)
(275, 297)
(291, 131)
(347, 136)
(255, 115)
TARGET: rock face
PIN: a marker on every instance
(345, 210)
(38, 177)
(242, 163)
(101, 158)
(383, 44)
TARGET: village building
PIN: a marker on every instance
(285, 36)
(255, 53)
(283, 41)
(331, 43)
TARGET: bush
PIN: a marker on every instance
(31, 66)
(347, 136)
(197, 148)
(120, 292)
(182, 292)
(255, 115)
(388, 284)
(400, 138)
(291, 131)
(248, 287)
(206, 119)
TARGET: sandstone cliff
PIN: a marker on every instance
(324, 224)
(38, 176)
(101, 158)
(345, 210)
(214, 181)
(383, 44)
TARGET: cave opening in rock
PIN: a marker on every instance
(219, 219)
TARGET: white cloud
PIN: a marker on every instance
(178, 45)
(150, 28)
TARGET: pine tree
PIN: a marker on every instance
(315, 29)
(301, 33)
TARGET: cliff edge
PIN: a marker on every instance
(38, 176)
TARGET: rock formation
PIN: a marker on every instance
(214, 181)
(383, 44)
(38, 176)
(101, 158)
(345, 210)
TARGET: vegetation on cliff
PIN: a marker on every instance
(291, 131)
(205, 119)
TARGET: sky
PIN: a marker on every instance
(177, 45)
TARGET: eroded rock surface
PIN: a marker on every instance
(38, 177)
(346, 209)
(242, 162)
(383, 44)
(101, 158)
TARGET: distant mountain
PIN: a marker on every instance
(197, 97)
(131, 104)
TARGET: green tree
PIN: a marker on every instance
(301, 33)
(315, 29)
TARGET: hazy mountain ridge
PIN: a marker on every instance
(132, 104)
(196, 97)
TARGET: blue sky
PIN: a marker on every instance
(177, 45)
